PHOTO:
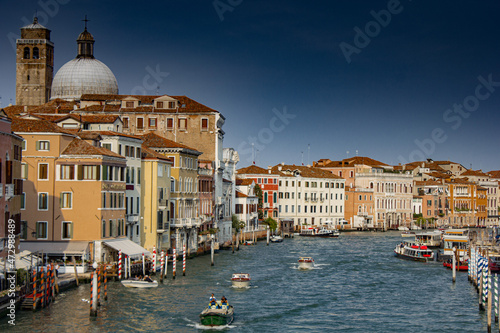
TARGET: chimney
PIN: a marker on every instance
(25, 108)
(283, 163)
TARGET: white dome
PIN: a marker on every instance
(83, 76)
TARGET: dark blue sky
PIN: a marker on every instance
(390, 102)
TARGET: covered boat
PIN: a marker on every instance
(306, 263)
(319, 232)
(139, 284)
(460, 266)
(241, 280)
(414, 252)
(217, 315)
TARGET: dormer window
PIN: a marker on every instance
(171, 105)
(129, 104)
(159, 105)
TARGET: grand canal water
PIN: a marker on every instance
(357, 286)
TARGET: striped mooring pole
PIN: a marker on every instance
(105, 284)
(119, 264)
(34, 288)
(99, 277)
(184, 261)
(42, 287)
(162, 262)
(174, 261)
(154, 259)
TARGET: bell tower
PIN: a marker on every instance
(34, 65)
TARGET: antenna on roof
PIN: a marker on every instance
(356, 152)
(157, 90)
(302, 157)
(308, 150)
(347, 154)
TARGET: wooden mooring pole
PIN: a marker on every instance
(454, 260)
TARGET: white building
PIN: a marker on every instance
(246, 204)
(310, 196)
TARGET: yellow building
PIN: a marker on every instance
(73, 190)
(155, 200)
(184, 216)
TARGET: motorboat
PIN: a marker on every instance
(306, 263)
(320, 232)
(408, 234)
(415, 252)
(217, 314)
(139, 284)
(459, 266)
(248, 242)
(276, 239)
(241, 280)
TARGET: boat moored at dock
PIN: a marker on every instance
(306, 263)
(241, 280)
(414, 252)
(276, 239)
(458, 238)
(139, 284)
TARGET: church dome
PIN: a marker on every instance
(83, 76)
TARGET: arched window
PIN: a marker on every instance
(36, 53)
(26, 53)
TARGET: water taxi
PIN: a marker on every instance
(241, 280)
(460, 266)
(248, 242)
(217, 315)
(139, 284)
(319, 232)
(429, 239)
(408, 234)
(414, 252)
(306, 263)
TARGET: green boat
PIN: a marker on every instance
(217, 317)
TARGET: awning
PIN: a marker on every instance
(68, 248)
(127, 247)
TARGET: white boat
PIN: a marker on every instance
(241, 280)
(306, 263)
(276, 239)
(408, 234)
(414, 252)
(431, 238)
(320, 232)
(139, 284)
(403, 228)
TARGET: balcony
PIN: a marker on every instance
(9, 191)
(132, 218)
(265, 205)
(205, 172)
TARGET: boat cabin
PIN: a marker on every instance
(458, 238)
(432, 239)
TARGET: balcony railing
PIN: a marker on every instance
(9, 191)
(133, 218)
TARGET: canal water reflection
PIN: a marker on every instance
(357, 286)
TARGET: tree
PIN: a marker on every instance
(271, 225)
(258, 194)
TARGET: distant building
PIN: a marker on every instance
(310, 196)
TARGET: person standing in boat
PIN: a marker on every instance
(212, 298)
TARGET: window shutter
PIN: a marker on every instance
(48, 145)
(71, 230)
(98, 173)
(80, 172)
(38, 145)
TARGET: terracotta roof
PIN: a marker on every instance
(458, 181)
(153, 140)
(32, 125)
(244, 181)
(99, 108)
(14, 110)
(474, 173)
(149, 154)
(494, 174)
(89, 135)
(240, 194)
(428, 183)
(255, 170)
(439, 175)
(305, 171)
(186, 104)
(356, 160)
(49, 117)
(224, 180)
(55, 106)
(81, 147)
(422, 164)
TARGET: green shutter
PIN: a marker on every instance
(38, 145)
(71, 230)
(98, 172)
(80, 172)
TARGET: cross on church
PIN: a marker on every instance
(85, 22)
